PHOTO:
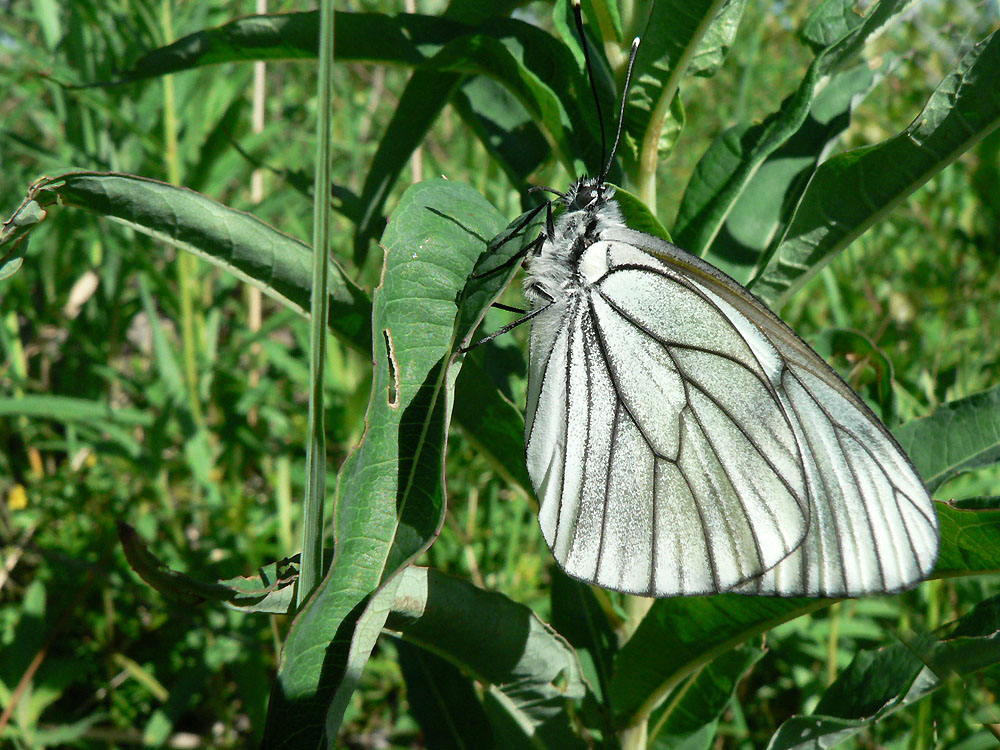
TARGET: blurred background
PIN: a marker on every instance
(203, 452)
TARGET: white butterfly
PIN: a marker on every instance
(682, 439)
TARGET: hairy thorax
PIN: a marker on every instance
(573, 258)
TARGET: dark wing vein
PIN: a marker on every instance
(681, 370)
(704, 527)
(607, 486)
(691, 347)
(544, 375)
(612, 375)
(873, 420)
(739, 497)
(565, 452)
(861, 496)
(681, 280)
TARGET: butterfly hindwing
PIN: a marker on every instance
(831, 503)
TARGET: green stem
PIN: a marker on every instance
(312, 520)
(186, 268)
(634, 737)
(645, 180)
(833, 643)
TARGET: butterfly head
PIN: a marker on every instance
(587, 194)
(590, 208)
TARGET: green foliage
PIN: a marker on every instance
(134, 388)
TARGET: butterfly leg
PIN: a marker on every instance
(524, 251)
(508, 308)
(508, 327)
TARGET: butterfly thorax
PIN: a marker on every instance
(555, 271)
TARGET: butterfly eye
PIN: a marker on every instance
(586, 198)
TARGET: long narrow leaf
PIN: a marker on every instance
(277, 264)
(870, 182)
(676, 35)
(531, 670)
(959, 436)
(390, 495)
(769, 198)
(528, 61)
(426, 94)
(879, 683)
(726, 169)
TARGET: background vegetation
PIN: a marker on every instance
(140, 384)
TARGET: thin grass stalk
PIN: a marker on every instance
(253, 294)
(186, 263)
(312, 518)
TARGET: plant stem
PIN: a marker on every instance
(312, 519)
(253, 293)
(649, 151)
(833, 642)
(186, 264)
(634, 737)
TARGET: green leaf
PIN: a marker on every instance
(729, 164)
(768, 200)
(970, 537)
(579, 618)
(277, 264)
(638, 216)
(390, 496)
(173, 585)
(372, 37)
(492, 422)
(829, 21)
(869, 182)
(700, 701)
(959, 436)
(714, 47)
(271, 590)
(167, 367)
(679, 35)
(14, 236)
(10, 266)
(530, 63)
(723, 173)
(425, 95)
(529, 669)
(110, 423)
(701, 739)
(443, 701)
(504, 127)
(879, 683)
(698, 630)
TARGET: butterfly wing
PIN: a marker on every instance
(657, 474)
(684, 440)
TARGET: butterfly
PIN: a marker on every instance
(682, 439)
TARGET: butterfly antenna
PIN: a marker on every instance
(578, 15)
(543, 189)
(621, 113)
